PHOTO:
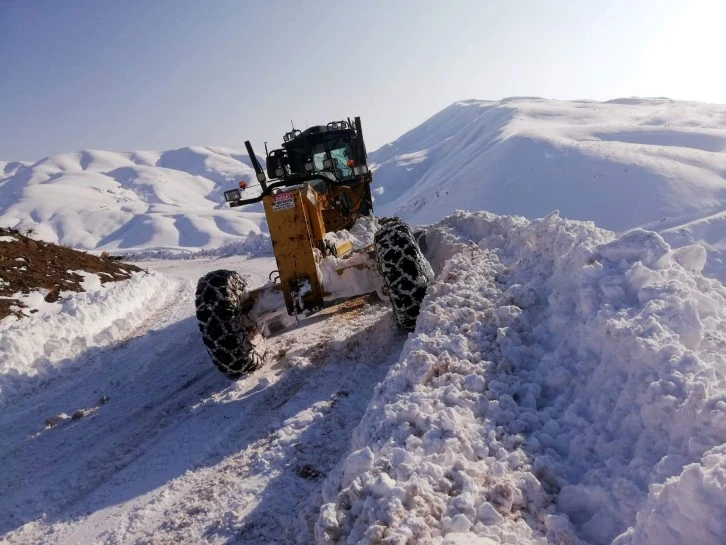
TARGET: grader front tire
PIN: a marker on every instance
(219, 299)
(406, 272)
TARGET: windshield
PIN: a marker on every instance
(340, 154)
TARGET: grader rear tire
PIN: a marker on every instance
(219, 299)
(406, 272)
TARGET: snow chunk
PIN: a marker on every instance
(360, 235)
(689, 508)
(692, 258)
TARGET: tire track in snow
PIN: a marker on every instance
(165, 457)
(302, 423)
(70, 462)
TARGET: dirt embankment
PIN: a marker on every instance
(29, 265)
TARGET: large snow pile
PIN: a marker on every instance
(563, 385)
(624, 163)
(119, 201)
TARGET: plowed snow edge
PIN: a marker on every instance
(563, 385)
(39, 349)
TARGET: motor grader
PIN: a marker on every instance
(315, 190)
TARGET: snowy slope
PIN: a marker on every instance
(622, 164)
(118, 201)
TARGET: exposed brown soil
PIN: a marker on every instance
(27, 265)
(352, 308)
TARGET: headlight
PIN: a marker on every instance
(278, 172)
(232, 195)
(309, 167)
(261, 177)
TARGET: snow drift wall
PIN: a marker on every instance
(37, 349)
(563, 385)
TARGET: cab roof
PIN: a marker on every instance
(316, 130)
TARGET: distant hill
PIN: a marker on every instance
(117, 201)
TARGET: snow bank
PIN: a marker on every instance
(563, 385)
(40, 347)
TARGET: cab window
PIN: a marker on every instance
(340, 153)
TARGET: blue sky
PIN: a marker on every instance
(161, 74)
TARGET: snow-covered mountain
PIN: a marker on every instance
(624, 163)
(116, 201)
(621, 163)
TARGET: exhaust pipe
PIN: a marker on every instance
(256, 165)
(361, 142)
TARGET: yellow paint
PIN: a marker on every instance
(343, 248)
(313, 204)
(298, 219)
(290, 231)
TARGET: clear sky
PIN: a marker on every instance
(160, 74)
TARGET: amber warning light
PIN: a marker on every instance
(243, 185)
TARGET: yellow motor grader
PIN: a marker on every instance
(318, 190)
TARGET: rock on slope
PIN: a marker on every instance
(35, 271)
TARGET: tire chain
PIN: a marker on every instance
(406, 272)
(219, 298)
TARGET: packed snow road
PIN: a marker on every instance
(137, 438)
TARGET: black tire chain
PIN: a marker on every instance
(219, 297)
(406, 272)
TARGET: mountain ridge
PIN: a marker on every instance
(625, 163)
(104, 200)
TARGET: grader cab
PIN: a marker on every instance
(318, 189)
